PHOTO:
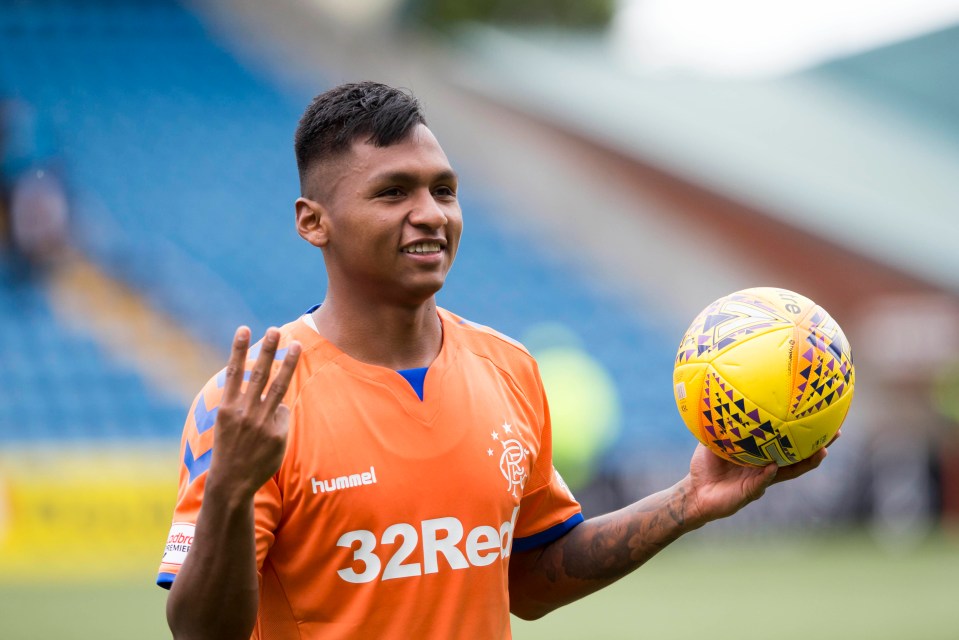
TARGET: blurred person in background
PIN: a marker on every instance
(5, 187)
(34, 206)
(38, 220)
(395, 477)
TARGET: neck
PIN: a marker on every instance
(390, 336)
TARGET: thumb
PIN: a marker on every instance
(769, 472)
(765, 478)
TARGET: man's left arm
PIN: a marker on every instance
(602, 550)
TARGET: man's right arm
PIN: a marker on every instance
(216, 591)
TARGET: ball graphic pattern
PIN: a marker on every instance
(764, 375)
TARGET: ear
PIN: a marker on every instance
(311, 221)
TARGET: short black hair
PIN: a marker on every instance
(338, 117)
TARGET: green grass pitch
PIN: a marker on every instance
(841, 587)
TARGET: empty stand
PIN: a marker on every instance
(59, 386)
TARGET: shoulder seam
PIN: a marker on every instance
(509, 375)
(492, 333)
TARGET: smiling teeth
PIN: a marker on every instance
(423, 247)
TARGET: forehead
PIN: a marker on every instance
(419, 152)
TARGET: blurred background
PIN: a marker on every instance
(623, 163)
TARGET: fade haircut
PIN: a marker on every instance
(376, 113)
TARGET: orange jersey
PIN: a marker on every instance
(391, 516)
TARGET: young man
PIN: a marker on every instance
(394, 479)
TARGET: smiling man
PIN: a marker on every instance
(380, 467)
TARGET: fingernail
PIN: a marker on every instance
(294, 348)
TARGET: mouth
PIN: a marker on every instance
(431, 247)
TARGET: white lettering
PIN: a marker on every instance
(506, 533)
(439, 536)
(364, 553)
(395, 567)
(343, 482)
(432, 545)
(479, 540)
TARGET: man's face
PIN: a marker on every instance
(393, 219)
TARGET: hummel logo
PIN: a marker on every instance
(344, 482)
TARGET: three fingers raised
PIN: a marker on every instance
(254, 398)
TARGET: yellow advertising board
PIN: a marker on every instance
(95, 510)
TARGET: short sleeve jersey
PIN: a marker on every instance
(392, 516)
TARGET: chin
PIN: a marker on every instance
(420, 292)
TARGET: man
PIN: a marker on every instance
(394, 479)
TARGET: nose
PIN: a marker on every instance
(427, 212)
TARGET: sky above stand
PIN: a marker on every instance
(759, 38)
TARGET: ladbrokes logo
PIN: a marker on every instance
(178, 543)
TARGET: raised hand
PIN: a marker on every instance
(720, 488)
(216, 592)
(251, 426)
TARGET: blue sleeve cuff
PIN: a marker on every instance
(165, 580)
(547, 536)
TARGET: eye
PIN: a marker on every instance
(391, 192)
(445, 192)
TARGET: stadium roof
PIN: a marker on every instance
(863, 151)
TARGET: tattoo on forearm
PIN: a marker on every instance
(609, 547)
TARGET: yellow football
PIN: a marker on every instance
(764, 375)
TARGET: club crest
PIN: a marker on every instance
(513, 459)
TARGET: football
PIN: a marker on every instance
(764, 375)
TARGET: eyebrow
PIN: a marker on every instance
(406, 177)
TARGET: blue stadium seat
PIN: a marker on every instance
(58, 386)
